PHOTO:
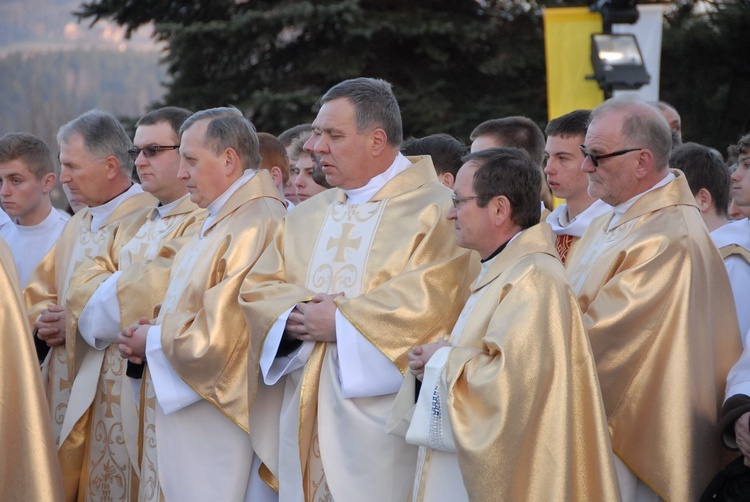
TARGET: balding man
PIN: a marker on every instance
(653, 292)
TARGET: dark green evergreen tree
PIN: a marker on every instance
(453, 63)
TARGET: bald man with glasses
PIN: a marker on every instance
(653, 290)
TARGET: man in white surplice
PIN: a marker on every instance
(27, 176)
(709, 182)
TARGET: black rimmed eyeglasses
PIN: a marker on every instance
(596, 158)
(150, 151)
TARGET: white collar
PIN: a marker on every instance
(621, 209)
(363, 194)
(215, 207)
(163, 210)
(558, 219)
(100, 214)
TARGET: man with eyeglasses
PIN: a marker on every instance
(118, 288)
(96, 167)
(517, 375)
(653, 291)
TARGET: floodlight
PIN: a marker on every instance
(617, 62)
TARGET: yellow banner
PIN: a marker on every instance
(567, 46)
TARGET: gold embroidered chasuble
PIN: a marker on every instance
(520, 388)
(48, 286)
(28, 469)
(109, 449)
(203, 330)
(653, 290)
(404, 280)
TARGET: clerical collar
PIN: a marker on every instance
(558, 219)
(99, 214)
(363, 194)
(500, 249)
(218, 203)
(164, 210)
(621, 209)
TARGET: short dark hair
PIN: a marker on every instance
(173, 115)
(742, 146)
(518, 132)
(30, 150)
(273, 153)
(445, 150)
(374, 106)
(570, 124)
(703, 169)
(509, 172)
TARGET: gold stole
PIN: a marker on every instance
(150, 490)
(59, 376)
(110, 456)
(338, 265)
(734, 250)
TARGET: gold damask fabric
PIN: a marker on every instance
(204, 335)
(658, 309)
(48, 286)
(413, 281)
(100, 434)
(522, 392)
(28, 467)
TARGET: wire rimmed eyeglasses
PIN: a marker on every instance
(150, 151)
(596, 158)
(457, 201)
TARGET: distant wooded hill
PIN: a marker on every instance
(43, 90)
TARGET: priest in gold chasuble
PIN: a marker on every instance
(95, 167)
(653, 290)
(112, 292)
(509, 407)
(355, 277)
(30, 470)
(195, 441)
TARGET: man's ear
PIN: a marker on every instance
(112, 165)
(48, 182)
(447, 179)
(277, 175)
(378, 141)
(704, 200)
(501, 210)
(232, 162)
(646, 164)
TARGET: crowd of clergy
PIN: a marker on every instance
(340, 313)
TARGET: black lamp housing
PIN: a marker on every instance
(618, 62)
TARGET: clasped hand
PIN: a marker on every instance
(313, 321)
(131, 342)
(50, 327)
(421, 354)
